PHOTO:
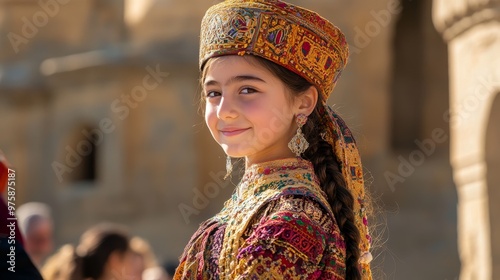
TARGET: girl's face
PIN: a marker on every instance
(248, 110)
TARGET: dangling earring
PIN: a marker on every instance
(229, 167)
(299, 144)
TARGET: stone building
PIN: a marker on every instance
(472, 31)
(99, 116)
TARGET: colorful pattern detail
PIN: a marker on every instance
(277, 225)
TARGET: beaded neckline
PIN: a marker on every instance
(269, 167)
(255, 172)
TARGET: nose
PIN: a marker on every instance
(226, 109)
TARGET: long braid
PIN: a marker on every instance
(332, 182)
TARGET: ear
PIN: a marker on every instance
(306, 102)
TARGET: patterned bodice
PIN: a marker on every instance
(277, 225)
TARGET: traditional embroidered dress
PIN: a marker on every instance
(277, 225)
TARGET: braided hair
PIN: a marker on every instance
(332, 182)
(326, 168)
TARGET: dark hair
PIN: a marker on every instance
(96, 246)
(325, 162)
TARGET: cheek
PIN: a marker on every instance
(210, 117)
(271, 126)
(271, 118)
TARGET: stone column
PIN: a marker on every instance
(472, 30)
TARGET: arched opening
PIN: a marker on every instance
(407, 79)
(419, 89)
(492, 152)
(83, 150)
(426, 199)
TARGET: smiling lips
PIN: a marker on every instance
(233, 131)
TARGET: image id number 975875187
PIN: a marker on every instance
(11, 220)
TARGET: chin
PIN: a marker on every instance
(235, 151)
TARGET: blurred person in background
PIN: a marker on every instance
(155, 273)
(15, 264)
(142, 261)
(102, 254)
(55, 264)
(35, 222)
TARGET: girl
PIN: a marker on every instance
(267, 69)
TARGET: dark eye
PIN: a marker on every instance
(247, 90)
(212, 94)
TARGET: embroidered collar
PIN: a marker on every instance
(274, 174)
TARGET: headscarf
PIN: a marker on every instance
(307, 44)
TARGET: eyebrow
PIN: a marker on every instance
(234, 79)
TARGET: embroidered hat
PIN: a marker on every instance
(293, 37)
(307, 44)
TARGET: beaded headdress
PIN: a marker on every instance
(307, 44)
